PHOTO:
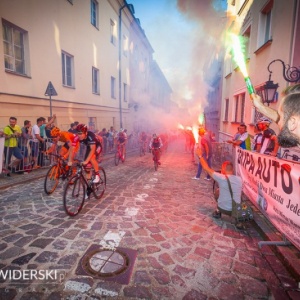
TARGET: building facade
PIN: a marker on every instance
(84, 48)
(271, 31)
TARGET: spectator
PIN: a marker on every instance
(11, 133)
(36, 140)
(23, 142)
(72, 128)
(256, 142)
(243, 140)
(224, 201)
(269, 142)
(104, 134)
(287, 116)
(110, 139)
(236, 136)
(206, 149)
(42, 144)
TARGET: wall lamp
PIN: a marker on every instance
(268, 91)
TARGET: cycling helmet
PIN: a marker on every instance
(201, 131)
(81, 128)
(55, 132)
(264, 120)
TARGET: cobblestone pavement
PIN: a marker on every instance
(163, 219)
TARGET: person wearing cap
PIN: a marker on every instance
(287, 116)
(269, 142)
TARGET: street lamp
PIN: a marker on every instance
(268, 90)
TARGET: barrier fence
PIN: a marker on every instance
(25, 155)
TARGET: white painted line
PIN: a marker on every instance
(77, 286)
(104, 292)
(112, 239)
(131, 211)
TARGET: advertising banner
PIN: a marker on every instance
(273, 185)
(1, 152)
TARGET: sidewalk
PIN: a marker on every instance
(288, 254)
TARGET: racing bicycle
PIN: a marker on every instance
(155, 152)
(59, 170)
(119, 154)
(79, 188)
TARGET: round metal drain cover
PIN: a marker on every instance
(105, 263)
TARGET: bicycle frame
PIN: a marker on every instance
(155, 157)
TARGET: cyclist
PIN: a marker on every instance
(70, 146)
(94, 148)
(143, 139)
(155, 146)
(121, 141)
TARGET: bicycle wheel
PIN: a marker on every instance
(117, 158)
(52, 179)
(74, 195)
(99, 188)
(155, 164)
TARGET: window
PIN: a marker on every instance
(125, 92)
(92, 124)
(239, 108)
(95, 80)
(113, 32)
(264, 26)
(236, 100)
(242, 98)
(113, 87)
(125, 45)
(14, 49)
(67, 69)
(94, 13)
(246, 36)
(226, 110)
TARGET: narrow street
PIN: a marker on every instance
(161, 220)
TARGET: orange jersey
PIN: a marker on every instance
(66, 136)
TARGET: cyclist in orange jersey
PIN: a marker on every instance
(70, 146)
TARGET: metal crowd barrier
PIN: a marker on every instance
(220, 153)
(33, 156)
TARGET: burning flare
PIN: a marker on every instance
(237, 51)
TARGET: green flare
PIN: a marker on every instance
(249, 85)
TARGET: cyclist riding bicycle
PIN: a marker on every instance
(143, 138)
(70, 146)
(121, 141)
(155, 147)
(94, 148)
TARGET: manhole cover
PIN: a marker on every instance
(105, 263)
(110, 265)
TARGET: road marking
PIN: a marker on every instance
(153, 179)
(77, 286)
(141, 197)
(112, 239)
(104, 292)
(131, 211)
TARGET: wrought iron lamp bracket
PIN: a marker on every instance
(290, 74)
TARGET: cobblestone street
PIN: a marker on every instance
(163, 219)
